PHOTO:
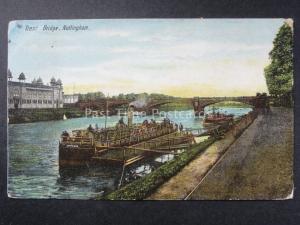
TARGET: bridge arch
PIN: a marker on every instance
(229, 103)
(200, 103)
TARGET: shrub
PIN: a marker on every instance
(144, 186)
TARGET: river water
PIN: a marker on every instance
(33, 170)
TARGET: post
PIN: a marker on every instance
(105, 122)
(130, 116)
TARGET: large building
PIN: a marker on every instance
(71, 99)
(35, 94)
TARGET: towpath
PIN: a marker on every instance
(258, 165)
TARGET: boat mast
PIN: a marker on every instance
(105, 122)
(106, 108)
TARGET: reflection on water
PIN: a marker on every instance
(33, 170)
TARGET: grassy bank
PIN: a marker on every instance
(176, 106)
(231, 104)
(143, 187)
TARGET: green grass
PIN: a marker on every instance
(231, 104)
(176, 106)
(144, 186)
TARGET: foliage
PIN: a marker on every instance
(279, 73)
(142, 187)
(92, 96)
(178, 105)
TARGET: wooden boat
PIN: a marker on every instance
(88, 145)
(217, 118)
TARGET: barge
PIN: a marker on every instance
(217, 118)
(123, 144)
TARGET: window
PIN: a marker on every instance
(40, 101)
(45, 101)
(34, 101)
(49, 101)
(28, 101)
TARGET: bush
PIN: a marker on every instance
(143, 187)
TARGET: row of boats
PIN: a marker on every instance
(134, 141)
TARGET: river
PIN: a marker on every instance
(33, 170)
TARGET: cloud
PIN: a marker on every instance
(108, 33)
(172, 58)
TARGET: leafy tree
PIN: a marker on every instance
(99, 95)
(279, 73)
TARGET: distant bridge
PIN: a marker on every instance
(112, 104)
(198, 103)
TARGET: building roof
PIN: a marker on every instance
(9, 74)
(33, 85)
(39, 81)
(52, 81)
(22, 76)
(58, 82)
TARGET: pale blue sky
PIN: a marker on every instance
(185, 57)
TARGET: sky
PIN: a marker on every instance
(179, 57)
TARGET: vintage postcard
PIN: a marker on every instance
(150, 109)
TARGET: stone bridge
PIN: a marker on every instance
(113, 104)
(199, 103)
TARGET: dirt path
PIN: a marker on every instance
(259, 165)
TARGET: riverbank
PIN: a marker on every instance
(173, 179)
(180, 185)
(259, 165)
(36, 115)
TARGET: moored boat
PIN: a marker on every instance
(217, 118)
(80, 146)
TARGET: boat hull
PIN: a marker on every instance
(70, 156)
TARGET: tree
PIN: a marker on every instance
(279, 73)
(121, 96)
(99, 95)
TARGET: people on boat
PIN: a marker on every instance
(121, 121)
(176, 127)
(180, 127)
(90, 128)
(153, 121)
(65, 133)
(145, 123)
